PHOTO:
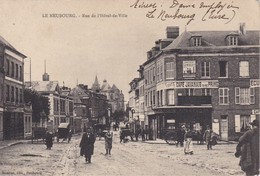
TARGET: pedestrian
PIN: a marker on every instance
(69, 136)
(180, 136)
(147, 133)
(143, 134)
(248, 150)
(188, 142)
(87, 145)
(207, 137)
(108, 142)
(49, 140)
(137, 132)
(122, 136)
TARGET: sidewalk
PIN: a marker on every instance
(8, 143)
(161, 141)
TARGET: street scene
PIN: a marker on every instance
(131, 158)
(129, 87)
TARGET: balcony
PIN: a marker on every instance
(194, 100)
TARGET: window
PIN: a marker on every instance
(244, 68)
(16, 95)
(8, 68)
(223, 69)
(7, 93)
(189, 92)
(154, 74)
(12, 93)
(244, 96)
(169, 70)
(205, 92)
(170, 97)
(21, 73)
(12, 69)
(154, 98)
(196, 41)
(205, 69)
(16, 71)
(21, 95)
(158, 98)
(161, 72)
(233, 40)
(223, 96)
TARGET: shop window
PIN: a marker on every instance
(189, 92)
(205, 92)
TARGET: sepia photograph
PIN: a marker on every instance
(129, 87)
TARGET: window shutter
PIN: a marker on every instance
(252, 95)
(237, 95)
(253, 117)
(237, 123)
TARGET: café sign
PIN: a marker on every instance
(254, 82)
(190, 84)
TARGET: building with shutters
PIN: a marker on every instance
(201, 78)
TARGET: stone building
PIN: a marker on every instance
(60, 101)
(13, 121)
(202, 78)
(91, 106)
(114, 95)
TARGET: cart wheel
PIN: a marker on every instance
(170, 138)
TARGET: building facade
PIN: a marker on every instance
(91, 106)
(202, 78)
(114, 95)
(12, 110)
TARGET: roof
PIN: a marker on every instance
(114, 87)
(44, 86)
(6, 43)
(214, 38)
(105, 86)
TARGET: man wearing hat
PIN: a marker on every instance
(248, 150)
(87, 145)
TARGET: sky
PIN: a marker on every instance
(101, 43)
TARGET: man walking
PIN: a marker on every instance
(248, 150)
(87, 145)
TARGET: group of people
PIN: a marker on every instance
(184, 134)
(146, 133)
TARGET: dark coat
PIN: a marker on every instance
(48, 140)
(180, 134)
(87, 144)
(248, 149)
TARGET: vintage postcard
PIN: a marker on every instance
(129, 87)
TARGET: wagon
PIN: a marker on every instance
(170, 136)
(39, 133)
(64, 132)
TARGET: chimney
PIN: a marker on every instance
(242, 28)
(149, 54)
(172, 32)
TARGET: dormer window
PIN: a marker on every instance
(233, 40)
(196, 41)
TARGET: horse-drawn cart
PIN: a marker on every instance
(64, 132)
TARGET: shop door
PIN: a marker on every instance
(224, 128)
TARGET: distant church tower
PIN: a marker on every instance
(45, 76)
(96, 85)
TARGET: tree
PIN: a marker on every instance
(118, 115)
(39, 104)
